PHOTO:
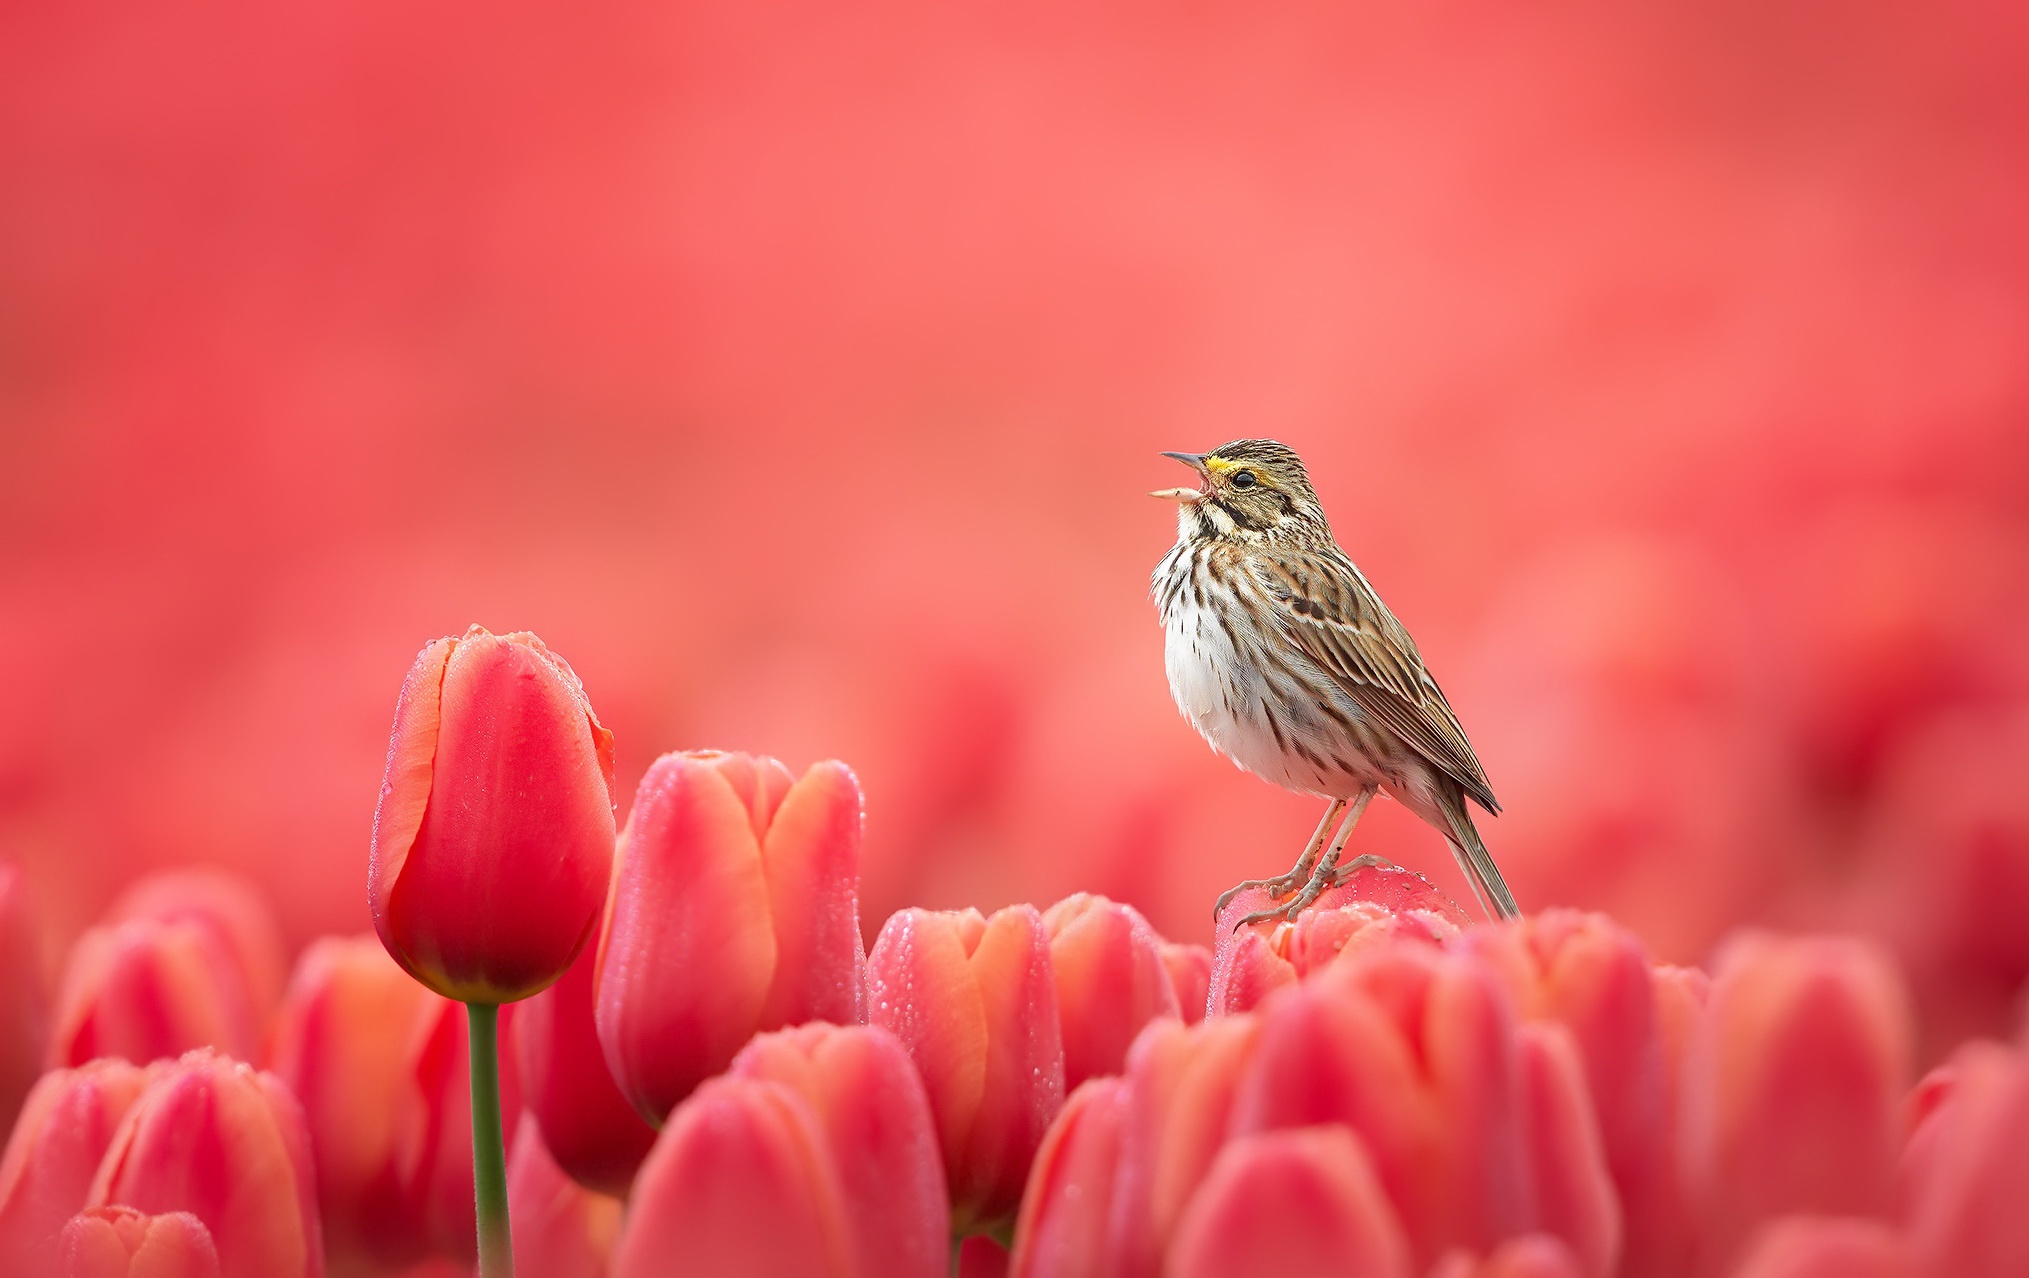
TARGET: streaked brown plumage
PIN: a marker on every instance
(1281, 654)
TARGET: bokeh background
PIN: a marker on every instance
(798, 371)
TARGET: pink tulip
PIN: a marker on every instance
(1794, 1088)
(150, 989)
(875, 1119)
(591, 1130)
(1829, 1247)
(1064, 1229)
(740, 1183)
(974, 1002)
(1190, 975)
(24, 994)
(1298, 1201)
(215, 1138)
(734, 910)
(493, 841)
(63, 1133)
(233, 908)
(1111, 980)
(561, 1229)
(1531, 1256)
(438, 1164)
(1376, 906)
(1966, 1164)
(119, 1242)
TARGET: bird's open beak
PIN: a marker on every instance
(1196, 462)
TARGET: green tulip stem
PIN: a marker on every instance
(489, 1150)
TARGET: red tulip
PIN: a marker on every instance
(1794, 1090)
(1190, 975)
(876, 1122)
(734, 909)
(119, 1242)
(63, 1133)
(1299, 1201)
(149, 989)
(24, 994)
(591, 1130)
(1111, 980)
(212, 1137)
(1966, 1165)
(561, 1229)
(974, 1002)
(233, 908)
(740, 1183)
(1064, 1229)
(1377, 905)
(493, 841)
(1830, 1247)
(1531, 1256)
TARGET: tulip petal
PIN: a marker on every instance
(1067, 1208)
(54, 1151)
(119, 1242)
(1302, 1201)
(811, 860)
(1110, 981)
(561, 1229)
(1828, 1247)
(591, 1130)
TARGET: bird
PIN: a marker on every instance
(1280, 653)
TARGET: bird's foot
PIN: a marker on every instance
(1326, 878)
(1278, 887)
(1341, 874)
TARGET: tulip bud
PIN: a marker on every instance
(734, 909)
(233, 908)
(1064, 1229)
(974, 1002)
(1301, 1201)
(1190, 975)
(1531, 1256)
(212, 1137)
(739, 1183)
(870, 1106)
(1795, 1085)
(24, 995)
(1110, 979)
(1966, 1165)
(561, 1229)
(587, 1126)
(119, 1242)
(493, 841)
(150, 989)
(64, 1131)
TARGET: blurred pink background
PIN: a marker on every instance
(799, 373)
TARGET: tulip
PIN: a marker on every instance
(149, 989)
(1298, 1201)
(1063, 1230)
(1110, 978)
(64, 1130)
(1966, 1164)
(1829, 1247)
(1377, 905)
(215, 1138)
(740, 1182)
(974, 1002)
(1531, 1256)
(233, 908)
(561, 1229)
(119, 1242)
(1794, 1088)
(590, 1129)
(734, 910)
(1190, 975)
(492, 849)
(870, 1106)
(24, 994)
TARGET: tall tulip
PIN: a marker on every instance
(735, 909)
(215, 1138)
(119, 1242)
(974, 1002)
(492, 848)
(63, 1133)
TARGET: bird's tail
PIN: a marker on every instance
(1474, 859)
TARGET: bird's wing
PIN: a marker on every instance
(1329, 612)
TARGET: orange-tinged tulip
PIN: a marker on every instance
(561, 1229)
(149, 989)
(215, 1138)
(24, 994)
(55, 1149)
(1064, 1229)
(974, 1002)
(589, 1128)
(1299, 1201)
(735, 909)
(119, 1242)
(1793, 1096)
(232, 907)
(1830, 1247)
(1190, 975)
(739, 1183)
(493, 841)
(1111, 980)
(871, 1108)
(1966, 1166)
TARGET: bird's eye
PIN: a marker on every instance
(1243, 479)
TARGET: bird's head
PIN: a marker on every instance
(1252, 488)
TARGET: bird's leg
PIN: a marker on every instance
(1325, 874)
(1299, 874)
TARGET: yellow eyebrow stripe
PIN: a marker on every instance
(1220, 466)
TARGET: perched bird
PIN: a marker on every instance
(1284, 658)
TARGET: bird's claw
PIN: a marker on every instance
(1318, 884)
(1279, 886)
